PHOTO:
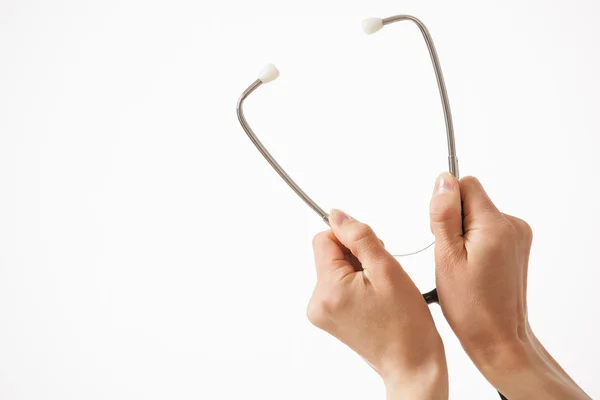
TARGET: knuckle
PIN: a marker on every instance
(522, 229)
(390, 270)
(440, 211)
(470, 181)
(505, 229)
(363, 240)
(333, 303)
(323, 306)
(318, 239)
(528, 233)
(315, 314)
(360, 233)
(525, 230)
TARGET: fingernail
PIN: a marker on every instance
(444, 183)
(338, 217)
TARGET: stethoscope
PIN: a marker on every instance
(370, 26)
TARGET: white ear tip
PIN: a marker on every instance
(372, 25)
(269, 73)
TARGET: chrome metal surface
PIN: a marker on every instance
(240, 113)
(439, 76)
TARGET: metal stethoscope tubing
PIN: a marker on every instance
(370, 26)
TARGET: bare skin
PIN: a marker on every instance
(365, 299)
(377, 311)
(482, 257)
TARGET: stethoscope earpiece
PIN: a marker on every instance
(372, 25)
(269, 73)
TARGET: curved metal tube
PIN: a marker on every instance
(430, 297)
(439, 76)
(240, 113)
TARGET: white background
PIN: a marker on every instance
(147, 251)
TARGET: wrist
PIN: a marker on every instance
(429, 380)
(521, 370)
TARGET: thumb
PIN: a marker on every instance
(357, 237)
(446, 215)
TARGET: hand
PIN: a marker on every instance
(365, 299)
(482, 258)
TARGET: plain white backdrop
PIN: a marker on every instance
(147, 251)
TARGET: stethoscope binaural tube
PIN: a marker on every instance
(370, 26)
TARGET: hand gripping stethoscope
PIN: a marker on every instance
(370, 26)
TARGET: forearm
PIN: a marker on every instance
(525, 370)
(547, 357)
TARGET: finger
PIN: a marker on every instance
(446, 216)
(357, 237)
(329, 255)
(476, 202)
